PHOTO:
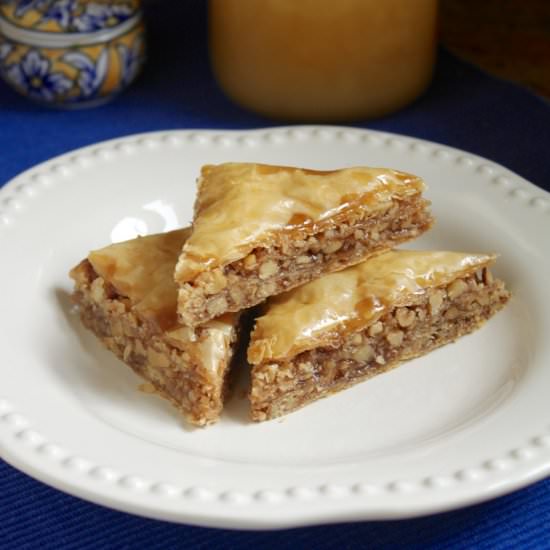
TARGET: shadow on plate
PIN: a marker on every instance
(96, 375)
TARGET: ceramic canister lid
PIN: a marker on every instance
(68, 16)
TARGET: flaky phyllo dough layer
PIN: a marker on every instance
(260, 230)
(348, 326)
(127, 297)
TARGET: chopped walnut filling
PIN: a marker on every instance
(439, 316)
(269, 271)
(176, 372)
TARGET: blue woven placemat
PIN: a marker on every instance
(464, 108)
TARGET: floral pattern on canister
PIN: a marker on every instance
(35, 75)
(91, 72)
(73, 76)
(68, 15)
(5, 50)
(130, 59)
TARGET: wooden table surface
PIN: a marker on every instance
(508, 38)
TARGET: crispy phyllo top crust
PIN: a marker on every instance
(141, 271)
(319, 312)
(241, 206)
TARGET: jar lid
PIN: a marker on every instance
(68, 16)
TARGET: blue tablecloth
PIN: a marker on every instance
(464, 108)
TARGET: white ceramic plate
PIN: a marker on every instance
(464, 424)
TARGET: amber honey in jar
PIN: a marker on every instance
(323, 60)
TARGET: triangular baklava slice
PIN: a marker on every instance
(260, 230)
(348, 326)
(127, 297)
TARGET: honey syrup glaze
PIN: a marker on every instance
(351, 300)
(142, 270)
(241, 206)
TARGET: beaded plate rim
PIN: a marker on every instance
(17, 436)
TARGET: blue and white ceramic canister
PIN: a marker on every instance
(70, 53)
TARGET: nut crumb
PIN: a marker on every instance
(405, 317)
(332, 246)
(376, 328)
(456, 288)
(363, 354)
(268, 269)
(250, 261)
(395, 338)
(217, 306)
(436, 299)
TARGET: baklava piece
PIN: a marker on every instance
(348, 326)
(260, 230)
(127, 298)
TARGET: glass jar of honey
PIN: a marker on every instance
(323, 60)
